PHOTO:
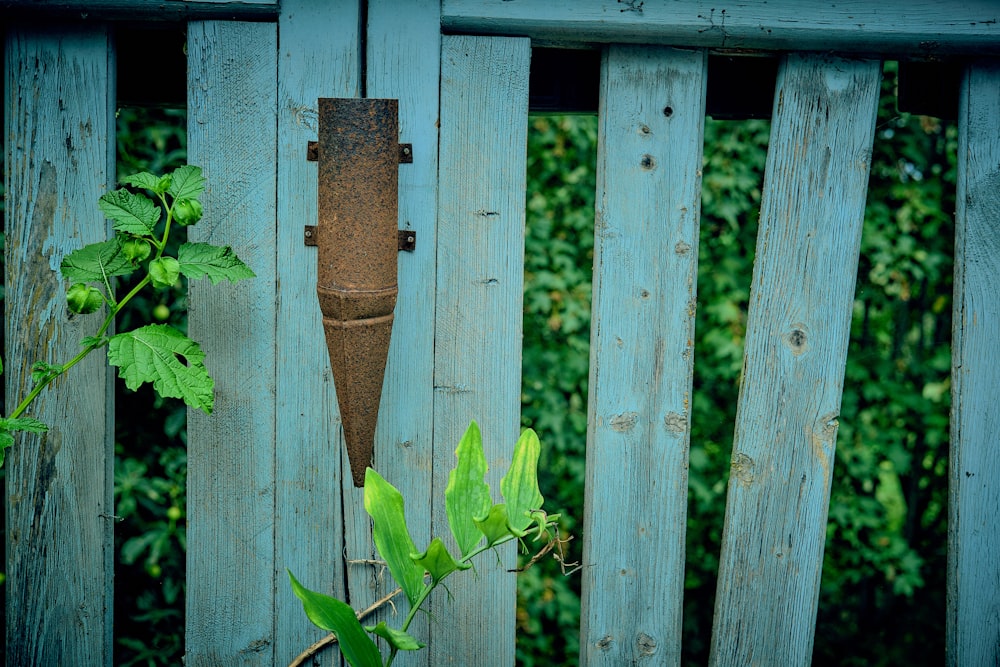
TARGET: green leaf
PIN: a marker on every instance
(186, 182)
(132, 213)
(398, 639)
(384, 504)
(157, 184)
(22, 424)
(154, 353)
(494, 524)
(337, 617)
(6, 440)
(437, 561)
(520, 485)
(218, 263)
(42, 371)
(165, 271)
(97, 262)
(467, 495)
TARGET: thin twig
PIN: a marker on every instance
(331, 639)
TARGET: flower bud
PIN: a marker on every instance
(164, 271)
(187, 211)
(83, 299)
(136, 250)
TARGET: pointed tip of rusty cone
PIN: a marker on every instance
(358, 353)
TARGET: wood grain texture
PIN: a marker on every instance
(911, 27)
(232, 120)
(798, 327)
(146, 10)
(59, 140)
(645, 277)
(403, 61)
(974, 504)
(318, 57)
(480, 282)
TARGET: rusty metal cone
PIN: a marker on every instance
(355, 350)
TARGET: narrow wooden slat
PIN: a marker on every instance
(645, 271)
(232, 120)
(403, 60)
(319, 57)
(974, 505)
(477, 356)
(798, 327)
(146, 10)
(926, 27)
(59, 139)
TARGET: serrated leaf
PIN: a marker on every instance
(97, 262)
(467, 495)
(398, 639)
(494, 524)
(217, 263)
(22, 424)
(132, 213)
(6, 440)
(384, 504)
(157, 184)
(186, 182)
(337, 617)
(92, 341)
(171, 361)
(520, 485)
(437, 561)
(42, 371)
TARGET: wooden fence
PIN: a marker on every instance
(268, 484)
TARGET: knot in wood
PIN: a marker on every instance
(624, 422)
(742, 466)
(797, 339)
(648, 162)
(645, 644)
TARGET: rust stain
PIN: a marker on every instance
(357, 239)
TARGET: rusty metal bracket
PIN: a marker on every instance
(357, 236)
(406, 238)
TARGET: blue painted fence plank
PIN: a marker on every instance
(974, 505)
(318, 57)
(480, 282)
(403, 60)
(232, 120)
(798, 328)
(59, 140)
(651, 125)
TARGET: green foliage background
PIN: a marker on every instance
(882, 600)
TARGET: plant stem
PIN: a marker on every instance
(114, 309)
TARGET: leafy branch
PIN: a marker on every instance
(156, 353)
(476, 523)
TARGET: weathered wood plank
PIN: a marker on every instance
(319, 57)
(59, 138)
(403, 60)
(911, 27)
(145, 10)
(232, 120)
(477, 373)
(974, 505)
(645, 277)
(798, 328)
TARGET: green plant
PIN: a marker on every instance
(476, 524)
(156, 353)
